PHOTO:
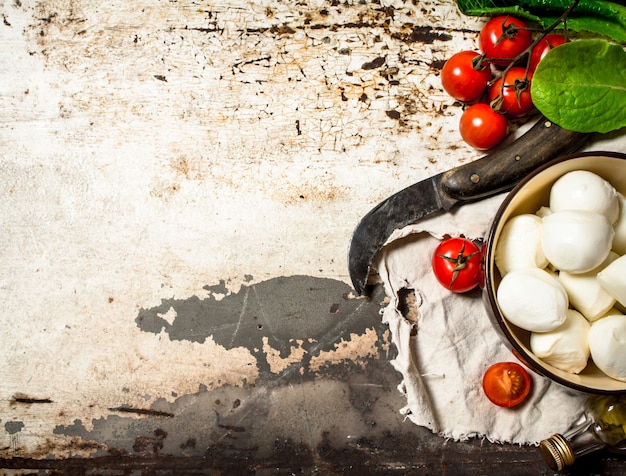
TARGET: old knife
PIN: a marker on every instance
(494, 173)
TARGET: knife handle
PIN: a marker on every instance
(502, 169)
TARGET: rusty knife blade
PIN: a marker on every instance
(494, 173)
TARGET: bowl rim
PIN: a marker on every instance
(521, 352)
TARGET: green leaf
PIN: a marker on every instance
(599, 26)
(581, 86)
(600, 17)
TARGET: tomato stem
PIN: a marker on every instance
(508, 31)
(479, 63)
(505, 32)
(460, 262)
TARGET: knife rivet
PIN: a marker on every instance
(547, 124)
(475, 178)
(518, 158)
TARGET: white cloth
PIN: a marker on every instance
(454, 343)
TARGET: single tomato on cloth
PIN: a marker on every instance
(456, 264)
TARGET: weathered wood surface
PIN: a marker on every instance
(180, 180)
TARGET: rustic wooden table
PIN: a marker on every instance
(180, 180)
(315, 416)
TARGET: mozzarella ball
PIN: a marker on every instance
(613, 279)
(565, 347)
(619, 241)
(532, 299)
(607, 341)
(585, 292)
(584, 190)
(519, 245)
(576, 241)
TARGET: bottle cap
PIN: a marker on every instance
(557, 452)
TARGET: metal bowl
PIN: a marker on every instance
(527, 197)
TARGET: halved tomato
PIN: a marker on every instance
(506, 384)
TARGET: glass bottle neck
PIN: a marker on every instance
(560, 451)
(585, 443)
(603, 428)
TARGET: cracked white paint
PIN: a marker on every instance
(148, 149)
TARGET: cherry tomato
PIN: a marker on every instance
(481, 127)
(464, 76)
(542, 48)
(503, 38)
(456, 263)
(506, 384)
(514, 99)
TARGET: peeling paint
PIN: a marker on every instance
(356, 348)
(180, 181)
(274, 360)
(282, 322)
(273, 312)
(338, 404)
(151, 148)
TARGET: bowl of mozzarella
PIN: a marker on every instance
(555, 271)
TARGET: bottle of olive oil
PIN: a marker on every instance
(604, 428)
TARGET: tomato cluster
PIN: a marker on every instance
(495, 82)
